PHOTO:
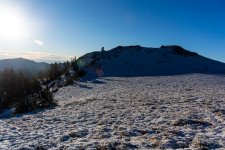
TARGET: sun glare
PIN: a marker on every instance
(12, 24)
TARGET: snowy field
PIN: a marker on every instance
(168, 112)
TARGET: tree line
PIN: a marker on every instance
(26, 92)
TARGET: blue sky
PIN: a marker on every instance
(60, 29)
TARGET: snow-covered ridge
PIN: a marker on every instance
(131, 61)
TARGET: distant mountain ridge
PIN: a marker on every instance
(128, 61)
(23, 64)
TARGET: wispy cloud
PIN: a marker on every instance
(37, 56)
(38, 42)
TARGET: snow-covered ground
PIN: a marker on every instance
(185, 111)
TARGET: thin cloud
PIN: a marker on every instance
(37, 56)
(38, 42)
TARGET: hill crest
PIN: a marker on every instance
(130, 61)
(23, 64)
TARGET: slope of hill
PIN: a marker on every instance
(167, 112)
(23, 64)
(131, 61)
(151, 112)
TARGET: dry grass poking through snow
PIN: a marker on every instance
(175, 112)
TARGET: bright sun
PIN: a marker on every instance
(12, 25)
